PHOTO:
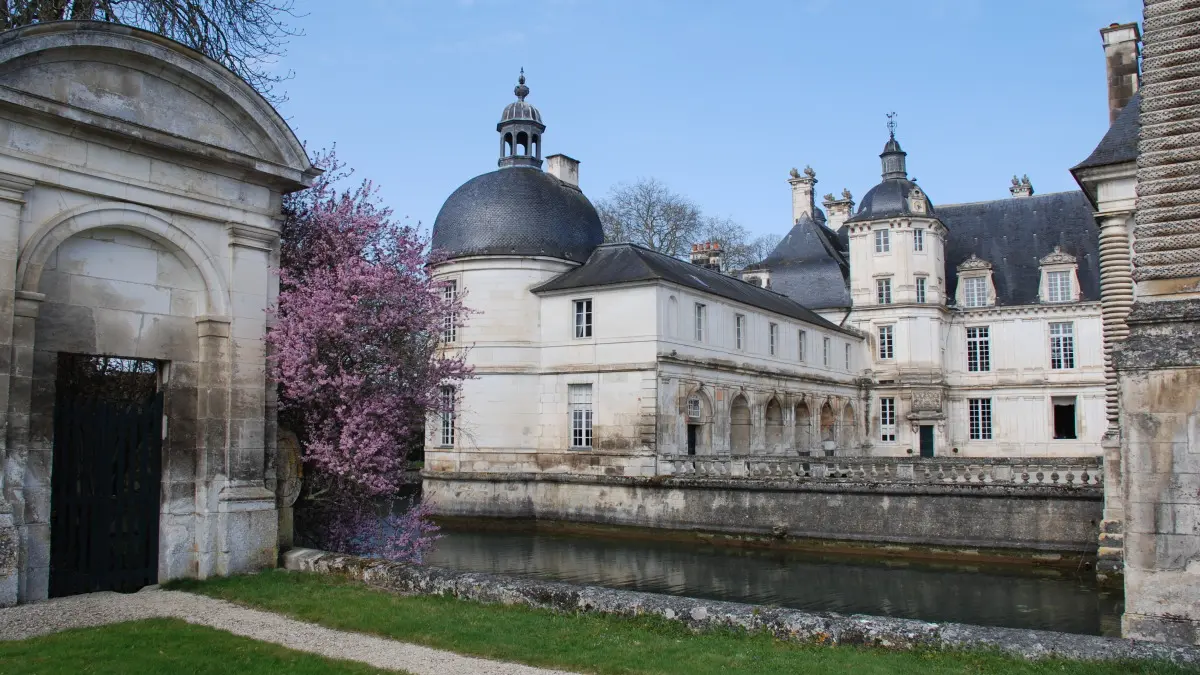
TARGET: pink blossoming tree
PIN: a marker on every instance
(355, 347)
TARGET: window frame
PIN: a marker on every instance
(922, 289)
(825, 351)
(1062, 345)
(582, 330)
(883, 241)
(979, 349)
(448, 416)
(739, 332)
(981, 283)
(700, 321)
(847, 357)
(887, 341)
(918, 239)
(887, 419)
(581, 415)
(1065, 289)
(883, 290)
(802, 345)
(979, 419)
(772, 338)
(450, 320)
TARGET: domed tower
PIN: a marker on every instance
(897, 269)
(499, 235)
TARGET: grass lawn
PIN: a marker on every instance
(161, 646)
(595, 643)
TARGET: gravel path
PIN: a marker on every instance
(96, 609)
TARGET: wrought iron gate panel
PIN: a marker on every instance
(105, 489)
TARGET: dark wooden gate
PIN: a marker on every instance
(106, 475)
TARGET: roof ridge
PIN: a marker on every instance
(1012, 199)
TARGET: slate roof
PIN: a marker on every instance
(1014, 234)
(808, 266)
(887, 199)
(1119, 144)
(626, 263)
(517, 211)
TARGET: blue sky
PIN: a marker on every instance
(716, 99)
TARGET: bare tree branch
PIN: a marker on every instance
(246, 36)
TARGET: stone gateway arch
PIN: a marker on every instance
(140, 187)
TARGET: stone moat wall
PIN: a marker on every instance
(1058, 518)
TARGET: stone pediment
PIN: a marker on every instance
(128, 81)
(1058, 257)
(974, 263)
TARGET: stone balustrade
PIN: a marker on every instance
(999, 471)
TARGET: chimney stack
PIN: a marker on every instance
(1021, 187)
(803, 200)
(563, 168)
(707, 255)
(1121, 62)
(838, 211)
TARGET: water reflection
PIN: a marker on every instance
(1011, 597)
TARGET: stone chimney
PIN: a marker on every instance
(707, 255)
(838, 210)
(563, 168)
(1121, 62)
(803, 199)
(1021, 187)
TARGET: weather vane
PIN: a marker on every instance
(892, 124)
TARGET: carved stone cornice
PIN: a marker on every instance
(13, 187)
(251, 236)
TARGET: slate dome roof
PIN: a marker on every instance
(520, 111)
(889, 198)
(517, 211)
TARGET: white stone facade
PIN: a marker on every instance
(140, 189)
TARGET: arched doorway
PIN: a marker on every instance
(828, 429)
(739, 426)
(774, 420)
(849, 428)
(804, 431)
(698, 424)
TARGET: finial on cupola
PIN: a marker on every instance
(521, 90)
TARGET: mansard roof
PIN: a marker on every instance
(1119, 144)
(808, 266)
(1015, 234)
(612, 264)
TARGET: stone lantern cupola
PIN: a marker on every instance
(521, 130)
(892, 156)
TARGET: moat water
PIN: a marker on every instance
(1009, 596)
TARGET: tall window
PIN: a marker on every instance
(1062, 345)
(1058, 287)
(847, 356)
(921, 285)
(448, 415)
(980, 410)
(918, 239)
(772, 337)
(979, 350)
(580, 397)
(739, 331)
(887, 419)
(450, 320)
(886, 350)
(802, 345)
(975, 291)
(825, 351)
(693, 408)
(699, 322)
(583, 318)
(883, 241)
(883, 291)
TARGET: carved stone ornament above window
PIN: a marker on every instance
(1057, 257)
(927, 400)
(974, 263)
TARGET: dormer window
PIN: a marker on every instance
(975, 283)
(1060, 281)
(916, 200)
